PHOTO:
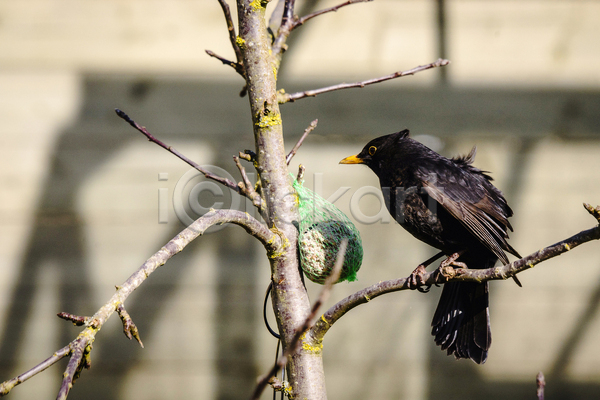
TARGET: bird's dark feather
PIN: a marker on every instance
(469, 216)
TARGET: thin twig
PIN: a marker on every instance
(329, 282)
(302, 20)
(289, 22)
(286, 26)
(246, 186)
(6, 386)
(248, 155)
(80, 349)
(75, 319)
(300, 176)
(288, 11)
(308, 130)
(308, 322)
(252, 192)
(285, 97)
(449, 274)
(541, 384)
(232, 36)
(594, 211)
(224, 181)
(270, 240)
(235, 65)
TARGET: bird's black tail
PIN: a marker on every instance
(461, 323)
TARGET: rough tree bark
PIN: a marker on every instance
(290, 300)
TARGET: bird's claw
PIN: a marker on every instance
(438, 276)
(451, 262)
(423, 289)
(446, 268)
(416, 281)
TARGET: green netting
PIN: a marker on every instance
(322, 228)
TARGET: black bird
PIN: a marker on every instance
(452, 206)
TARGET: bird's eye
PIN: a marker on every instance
(372, 150)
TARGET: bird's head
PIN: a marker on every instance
(376, 150)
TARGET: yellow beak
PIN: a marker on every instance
(352, 160)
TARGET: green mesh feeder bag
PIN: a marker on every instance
(322, 229)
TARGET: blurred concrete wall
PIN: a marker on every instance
(81, 190)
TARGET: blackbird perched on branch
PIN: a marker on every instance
(452, 206)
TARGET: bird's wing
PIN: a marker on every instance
(473, 201)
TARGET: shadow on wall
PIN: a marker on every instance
(189, 110)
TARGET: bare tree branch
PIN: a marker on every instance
(285, 97)
(6, 387)
(299, 21)
(75, 319)
(308, 130)
(449, 274)
(289, 297)
(288, 11)
(224, 181)
(308, 322)
(286, 26)
(595, 212)
(79, 348)
(80, 358)
(232, 36)
(289, 22)
(541, 384)
(246, 186)
(300, 175)
(237, 66)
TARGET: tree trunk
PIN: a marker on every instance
(290, 300)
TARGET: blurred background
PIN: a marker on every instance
(85, 199)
